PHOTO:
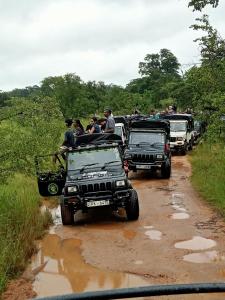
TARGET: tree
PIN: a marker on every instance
(200, 4)
(157, 64)
(212, 44)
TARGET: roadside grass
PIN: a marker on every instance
(208, 174)
(21, 223)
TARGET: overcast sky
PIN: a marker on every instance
(96, 39)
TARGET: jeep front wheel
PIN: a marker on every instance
(67, 215)
(166, 171)
(132, 207)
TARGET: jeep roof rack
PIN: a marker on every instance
(151, 125)
(98, 139)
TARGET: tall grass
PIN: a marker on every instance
(208, 165)
(20, 224)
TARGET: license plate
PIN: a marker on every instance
(143, 167)
(97, 203)
(171, 146)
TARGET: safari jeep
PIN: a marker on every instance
(93, 176)
(148, 147)
(181, 132)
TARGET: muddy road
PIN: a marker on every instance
(177, 239)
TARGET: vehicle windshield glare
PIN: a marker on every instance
(118, 130)
(147, 138)
(176, 126)
(98, 157)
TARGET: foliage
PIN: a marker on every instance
(212, 45)
(20, 224)
(200, 4)
(208, 176)
(164, 62)
(28, 128)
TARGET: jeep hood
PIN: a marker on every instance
(178, 134)
(110, 173)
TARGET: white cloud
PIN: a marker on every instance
(96, 39)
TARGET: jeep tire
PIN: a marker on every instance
(132, 207)
(166, 171)
(67, 214)
(184, 151)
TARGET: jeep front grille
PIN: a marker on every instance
(96, 187)
(173, 139)
(143, 158)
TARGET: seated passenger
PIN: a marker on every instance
(79, 129)
(95, 127)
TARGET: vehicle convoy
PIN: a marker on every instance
(148, 147)
(93, 176)
(181, 132)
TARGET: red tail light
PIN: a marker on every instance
(167, 147)
(126, 166)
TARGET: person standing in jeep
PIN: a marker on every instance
(110, 122)
(69, 134)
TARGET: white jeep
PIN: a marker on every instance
(181, 136)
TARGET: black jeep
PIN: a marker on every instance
(148, 147)
(94, 176)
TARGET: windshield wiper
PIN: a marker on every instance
(86, 166)
(109, 162)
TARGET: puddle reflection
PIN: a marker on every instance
(66, 270)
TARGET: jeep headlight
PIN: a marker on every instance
(120, 183)
(179, 139)
(72, 189)
(159, 156)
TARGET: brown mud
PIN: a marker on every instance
(177, 239)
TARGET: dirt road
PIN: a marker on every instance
(177, 239)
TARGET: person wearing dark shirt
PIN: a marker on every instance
(79, 129)
(69, 134)
(95, 127)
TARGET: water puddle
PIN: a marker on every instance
(179, 208)
(196, 243)
(148, 227)
(203, 257)
(138, 262)
(180, 216)
(154, 234)
(65, 270)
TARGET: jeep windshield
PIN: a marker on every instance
(85, 159)
(178, 126)
(149, 139)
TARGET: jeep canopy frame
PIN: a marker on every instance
(181, 117)
(151, 125)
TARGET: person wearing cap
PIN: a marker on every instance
(110, 122)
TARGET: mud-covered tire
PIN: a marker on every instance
(184, 151)
(67, 215)
(166, 171)
(132, 207)
(190, 146)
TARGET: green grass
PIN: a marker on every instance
(208, 167)
(21, 223)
